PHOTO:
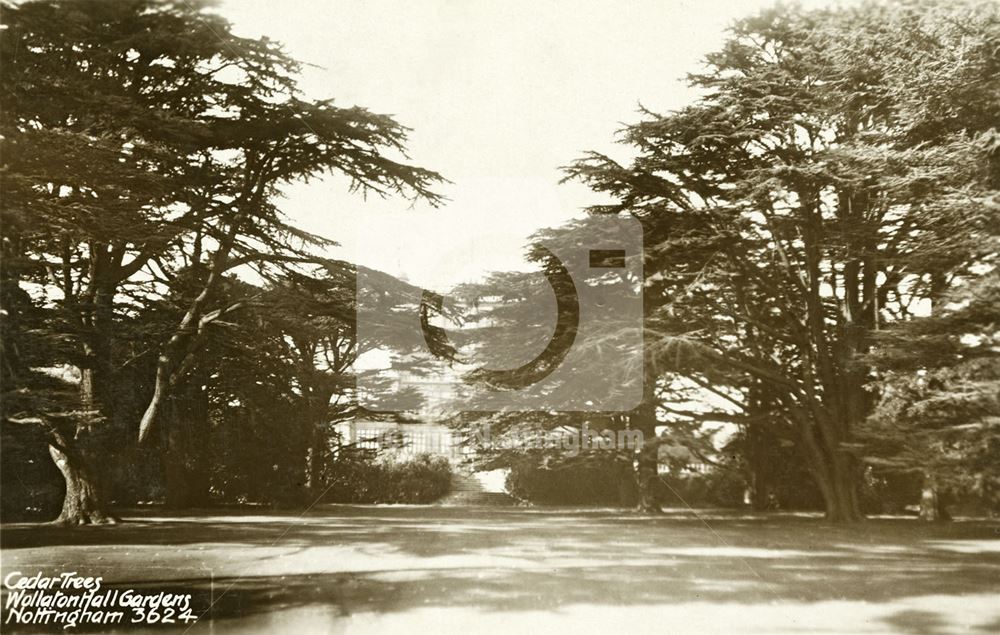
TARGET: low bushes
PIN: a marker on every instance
(421, 479)
(715, 488)
(613, 483)
(590, 483)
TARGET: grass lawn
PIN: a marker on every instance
(438, 569)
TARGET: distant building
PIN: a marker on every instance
(410, 439)
(402, 439)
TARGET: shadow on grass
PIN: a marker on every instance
(244, 599)
(512, 560)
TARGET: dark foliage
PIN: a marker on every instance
(359, 478)
(590, 482)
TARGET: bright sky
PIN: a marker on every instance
(499, 95)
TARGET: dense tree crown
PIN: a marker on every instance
(836, 177)
(145, 145)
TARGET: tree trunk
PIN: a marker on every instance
(646, 475)
(317, 412)
(647, 458)
(931, 504)
(837, 476)
(185, 459)
(758, 442)
(839, 486)
(83, 503)
(626, 481)
(74, 455)
(182, 343)
(760, 449)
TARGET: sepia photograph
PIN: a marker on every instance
(500, 316)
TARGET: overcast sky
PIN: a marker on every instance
(498, 94)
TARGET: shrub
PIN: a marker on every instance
(589, 483)
(421, 479)
(718, 487)
(610, 482)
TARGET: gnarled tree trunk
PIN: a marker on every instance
(74, 452)
(83, 503)
(837, 474)
(838, 481)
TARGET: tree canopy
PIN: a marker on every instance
(812, 196)
(145, 146)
